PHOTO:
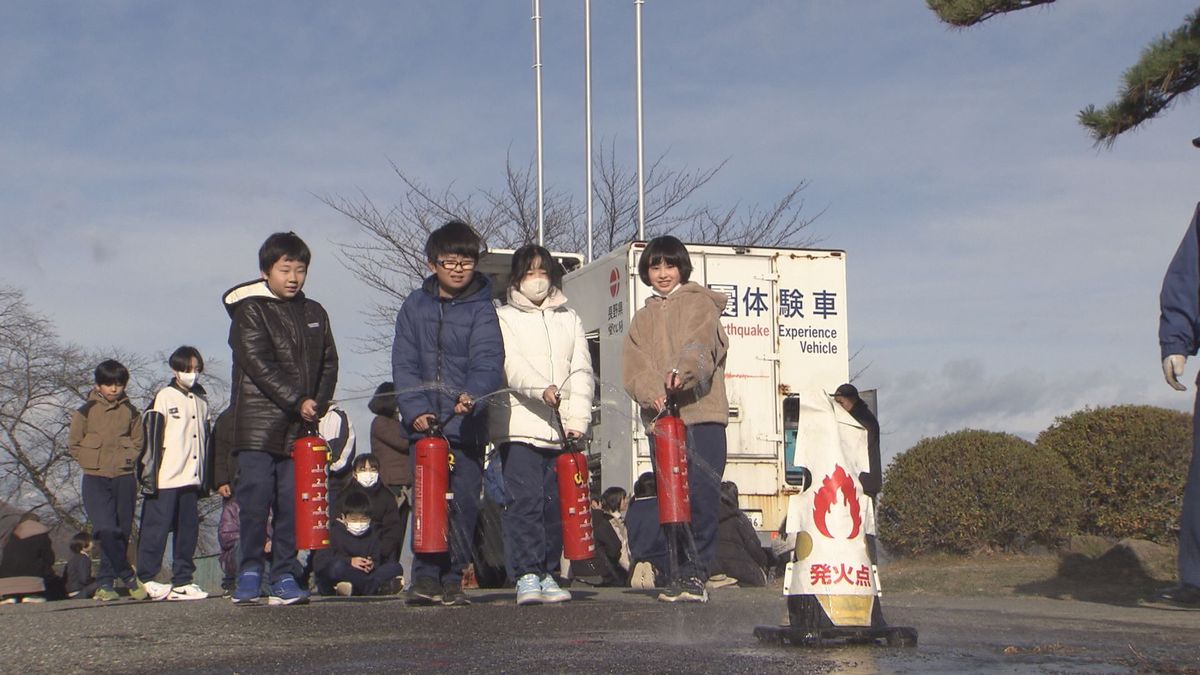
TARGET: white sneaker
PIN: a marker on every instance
(343, 588)
(32, 599)
(529, 590)
(157, 591)
(552, 592)
(189, 592)
(642, 576)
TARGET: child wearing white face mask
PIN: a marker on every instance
(175, 472)
(356, 565)
(548, 366)
(385, 514)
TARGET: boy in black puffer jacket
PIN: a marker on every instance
(285, 369)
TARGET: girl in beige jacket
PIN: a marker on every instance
(676, 347)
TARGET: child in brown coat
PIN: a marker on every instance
(676, 347)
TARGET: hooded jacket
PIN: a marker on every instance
(445, 347)
(682, 332)
(543, 346)
(106, 438)
(739, 552)
(176, 430)
(283, 353)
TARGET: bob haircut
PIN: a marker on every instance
(384, 401)
(80, 541)
(611, 499)
(112, 372)
(367, 461)
(181, 359)
(669, 250)
(356, 504)
(522, 262)
(453, 238)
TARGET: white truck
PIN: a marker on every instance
(786, 322)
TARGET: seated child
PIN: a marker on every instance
(27, 568)
(80, 582)
(385, 514)
(353, 566)
(647, 543)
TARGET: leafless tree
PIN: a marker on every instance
(391, 259)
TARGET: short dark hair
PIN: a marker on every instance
(282, 246)
(611, 499)
(80, 541)
(645, 486)
(669, 250)
(453, 238)
(522, 262)
(384, 400)
(356, 503)
(181, 359)
(112, 372)
(363, 460)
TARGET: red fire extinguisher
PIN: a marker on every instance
(575, 503)
(310, 461)
(671, 467)
(431, 481)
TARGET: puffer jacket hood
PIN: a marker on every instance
(283, 354)
(445, 347)
(544, 345)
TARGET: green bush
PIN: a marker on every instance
(1131, 462)
(976, 490)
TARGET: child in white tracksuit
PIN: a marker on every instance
(548, 364)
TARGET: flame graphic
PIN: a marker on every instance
(827, 496)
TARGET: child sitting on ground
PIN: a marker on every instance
(80, 582)
(354, 565)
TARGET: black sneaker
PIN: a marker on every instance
(693, 590)
(1183, 594)
(672, 593)
(424, 591)
(453, 595)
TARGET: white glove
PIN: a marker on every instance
(1173, 370)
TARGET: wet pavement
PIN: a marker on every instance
(602, 630)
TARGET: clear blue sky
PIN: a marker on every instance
(1002, 270)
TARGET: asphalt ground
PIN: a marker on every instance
(601, 630)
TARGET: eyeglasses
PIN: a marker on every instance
(465, 265)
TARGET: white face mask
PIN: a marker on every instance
(358, 528)
(366, 478)
(186, 379)
(536, 288)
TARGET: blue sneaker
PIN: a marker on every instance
(249, 585)
(287, 592)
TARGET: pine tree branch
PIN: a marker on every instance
(966, 13)
(1168, 68)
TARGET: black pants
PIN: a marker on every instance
(171, 510)
(109, 504)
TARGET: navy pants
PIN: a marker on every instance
(1189, 519)
(266, 485)
(109, 504)
(171, 510)
(466, 482)
(363, 583)
(532, 521)
(706, 450)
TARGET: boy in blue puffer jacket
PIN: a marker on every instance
(448, 352)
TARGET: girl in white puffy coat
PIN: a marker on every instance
(548, 366)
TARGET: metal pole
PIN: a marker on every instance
(637, 5)
(587, 106)
(537, 68)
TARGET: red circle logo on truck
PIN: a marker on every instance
(614, 283)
